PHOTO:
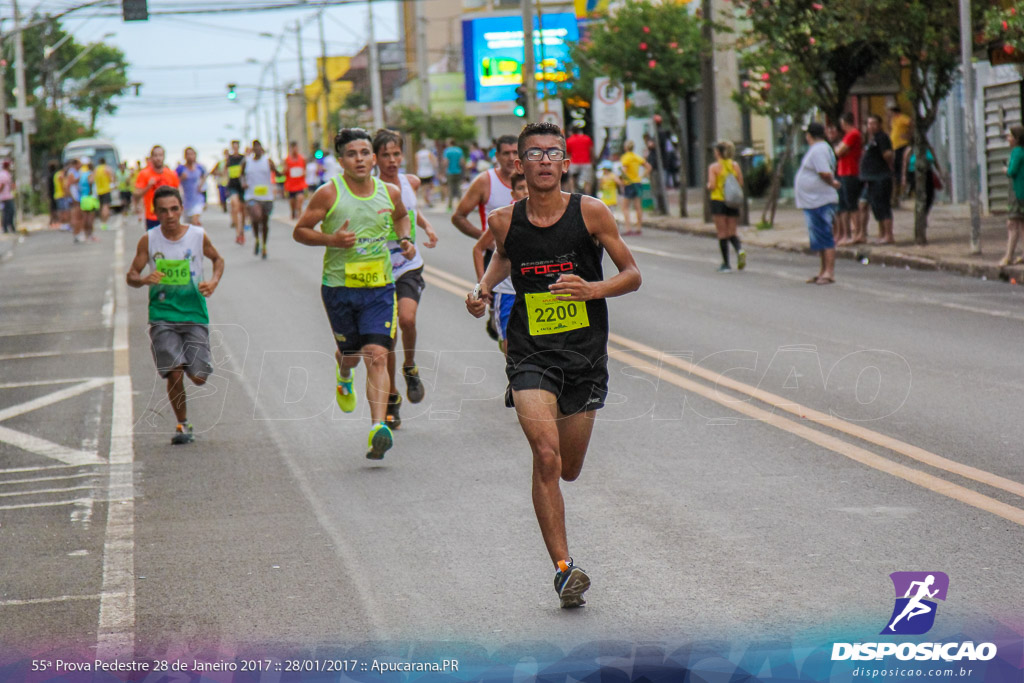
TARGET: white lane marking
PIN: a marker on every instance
(35, 480)
(70, 489)
(55, 397)
(48, 354)
(916, 298)
(669, 254)
(338, 537)
(47, 449)
(108, 307)
(116, 629)
(50, 504)
(44, 601)
(46, 468)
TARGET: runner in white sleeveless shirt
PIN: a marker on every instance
(504, 293)
(258, 175)
(408, 273)
(178, 316)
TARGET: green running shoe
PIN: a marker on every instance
(346, 392)
(741, 260)
(183, 435)
(379, 441)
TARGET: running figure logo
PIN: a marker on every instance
(914, 612)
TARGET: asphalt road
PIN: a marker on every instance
(772, 451)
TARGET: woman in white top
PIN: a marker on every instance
(426, 169)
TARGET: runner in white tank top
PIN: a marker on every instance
(258, 178)
(408, 273)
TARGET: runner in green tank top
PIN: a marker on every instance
(178, 318)
(357, 213)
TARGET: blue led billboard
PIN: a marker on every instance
(492, 49)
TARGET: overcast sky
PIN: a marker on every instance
(185, 63)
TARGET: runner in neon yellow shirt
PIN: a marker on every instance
(357, 213)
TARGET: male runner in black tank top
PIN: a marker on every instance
(552, 244)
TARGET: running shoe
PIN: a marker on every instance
(346, 392)
(264, 252)
(379, 441)
(724, 269)
(392, 418)
(741, 260)
(413, 386)
(492, 331)
(240, 239)
(570, 584)
(256, 249)
(183, 434)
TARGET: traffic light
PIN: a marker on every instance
(134, 10)
(232, 95)
(319, 153)
(520, 109)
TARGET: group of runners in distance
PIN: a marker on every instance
(538, 256)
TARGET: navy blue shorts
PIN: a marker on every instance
(361, 316)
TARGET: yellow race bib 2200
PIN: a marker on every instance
(550, 315)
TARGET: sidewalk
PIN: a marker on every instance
(9, 242)
(949, 229)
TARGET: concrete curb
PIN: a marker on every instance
(891, 259)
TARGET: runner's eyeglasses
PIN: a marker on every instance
(536, 154)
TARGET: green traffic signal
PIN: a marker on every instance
(519, 111)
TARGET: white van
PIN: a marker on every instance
(94, 148)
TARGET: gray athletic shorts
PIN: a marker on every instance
(181, 345)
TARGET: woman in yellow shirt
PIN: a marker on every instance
(631, 163)
(725, 218)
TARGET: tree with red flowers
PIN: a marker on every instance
(832, 44)
(775, 88)
(657, 48)
(925, 48)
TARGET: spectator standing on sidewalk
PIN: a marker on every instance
(7, 196)
(455, 167)
(848, 171)
(908, 177)
(631, 163)
(1015, 171)
(816, 193)
(876, 170)
(724, 216)
(900, 126)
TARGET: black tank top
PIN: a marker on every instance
(539, 256)
(235, 160)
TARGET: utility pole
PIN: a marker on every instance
(529, 64)
(970, 125)
(277, 110)
(24, 166)
(325, 83)
(3, 94)
(422, 66)
(707, 97)
(376, 94)
(302, 82)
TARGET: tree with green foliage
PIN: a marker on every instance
(833, 44)
(88, 88)
(924, 39)
(1004, 24)
(776, 88)
(421, 125)
(654, 47)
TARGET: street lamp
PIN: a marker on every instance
(89, 48)
(50, 49)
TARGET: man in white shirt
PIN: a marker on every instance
(816, 193)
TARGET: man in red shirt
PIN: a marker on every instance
(580, 147)
(295, 178)
(848, 153)
(153, 176)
